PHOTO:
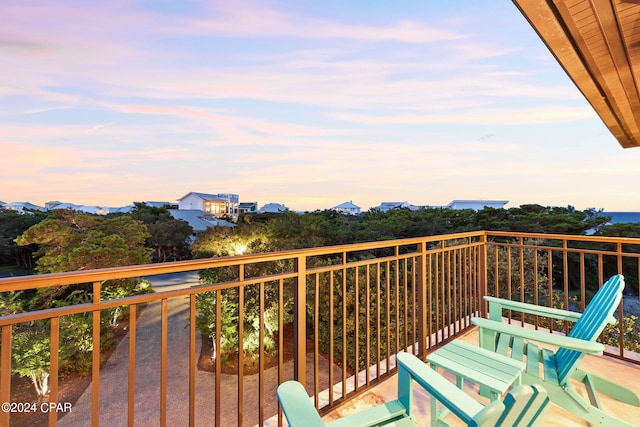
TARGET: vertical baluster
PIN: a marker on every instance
(54, 347)
(405, 314)
(428, 304)
(192, 360)
(583, 293)
(388, 315)
(163, 361)
(133, 314)
(280, 340)
(95, 359)
(509, 278)
(261, 356)
(550, 283)
(331, 334)
(378, 317)
(316, 339)
(397, 299)
(344, 330)
(367, 316)
(356, 329)
(241, 349)
(218, 350)
(5, 372)
(299, 322)
(535, 284)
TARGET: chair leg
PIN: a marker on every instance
(595, 384)
(570, 400)
(437, 415)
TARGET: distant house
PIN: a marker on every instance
(218, 205)
(21, 207)
(52, 204)
(477, 204)
(96, 210)
(166, 205)
(123, 209)
(387, 206)
(347, 208)
(60, 205)
(455, 204)
(199, 220)
(248, 207)
(129, 208)
(272, 208)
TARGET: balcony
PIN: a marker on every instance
(331, 317)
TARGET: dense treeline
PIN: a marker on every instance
(168, 239)
(12, 225)
(25, 239)
(288, 230)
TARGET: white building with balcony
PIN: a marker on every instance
(218, 205)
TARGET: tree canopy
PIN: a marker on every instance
(13, 224)
(290, 230)
(168, 237)
(70, 241)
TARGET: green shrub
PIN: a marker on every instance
(31, 341)
(229, 317)
(630, 333)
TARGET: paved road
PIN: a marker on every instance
(167, 282)
(114, 374)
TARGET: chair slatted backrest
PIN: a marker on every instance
(523, 406)
(590, 325)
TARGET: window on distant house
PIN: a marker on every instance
(214, 207)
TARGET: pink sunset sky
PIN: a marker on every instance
(302, 102)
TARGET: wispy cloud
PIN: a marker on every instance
(258, 19)
(299, 101)
(487, 116)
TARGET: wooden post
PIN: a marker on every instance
(299, 321)
(483, 275)
(423, 311)
(5, 373)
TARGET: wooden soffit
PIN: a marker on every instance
(597, 42)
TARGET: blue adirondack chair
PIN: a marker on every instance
(523, 406)
(561, 366)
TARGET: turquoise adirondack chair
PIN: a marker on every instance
(561, 366)
(523, 406)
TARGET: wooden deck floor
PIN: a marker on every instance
(624, 373)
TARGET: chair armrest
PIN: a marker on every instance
(445, 392)
(376, 416)
(297, 406)
(589, 347)
(538, 310)
(300, 412)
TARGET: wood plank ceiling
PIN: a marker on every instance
(597, 42)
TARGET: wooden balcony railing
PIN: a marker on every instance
(564, 271)
(332, 318)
